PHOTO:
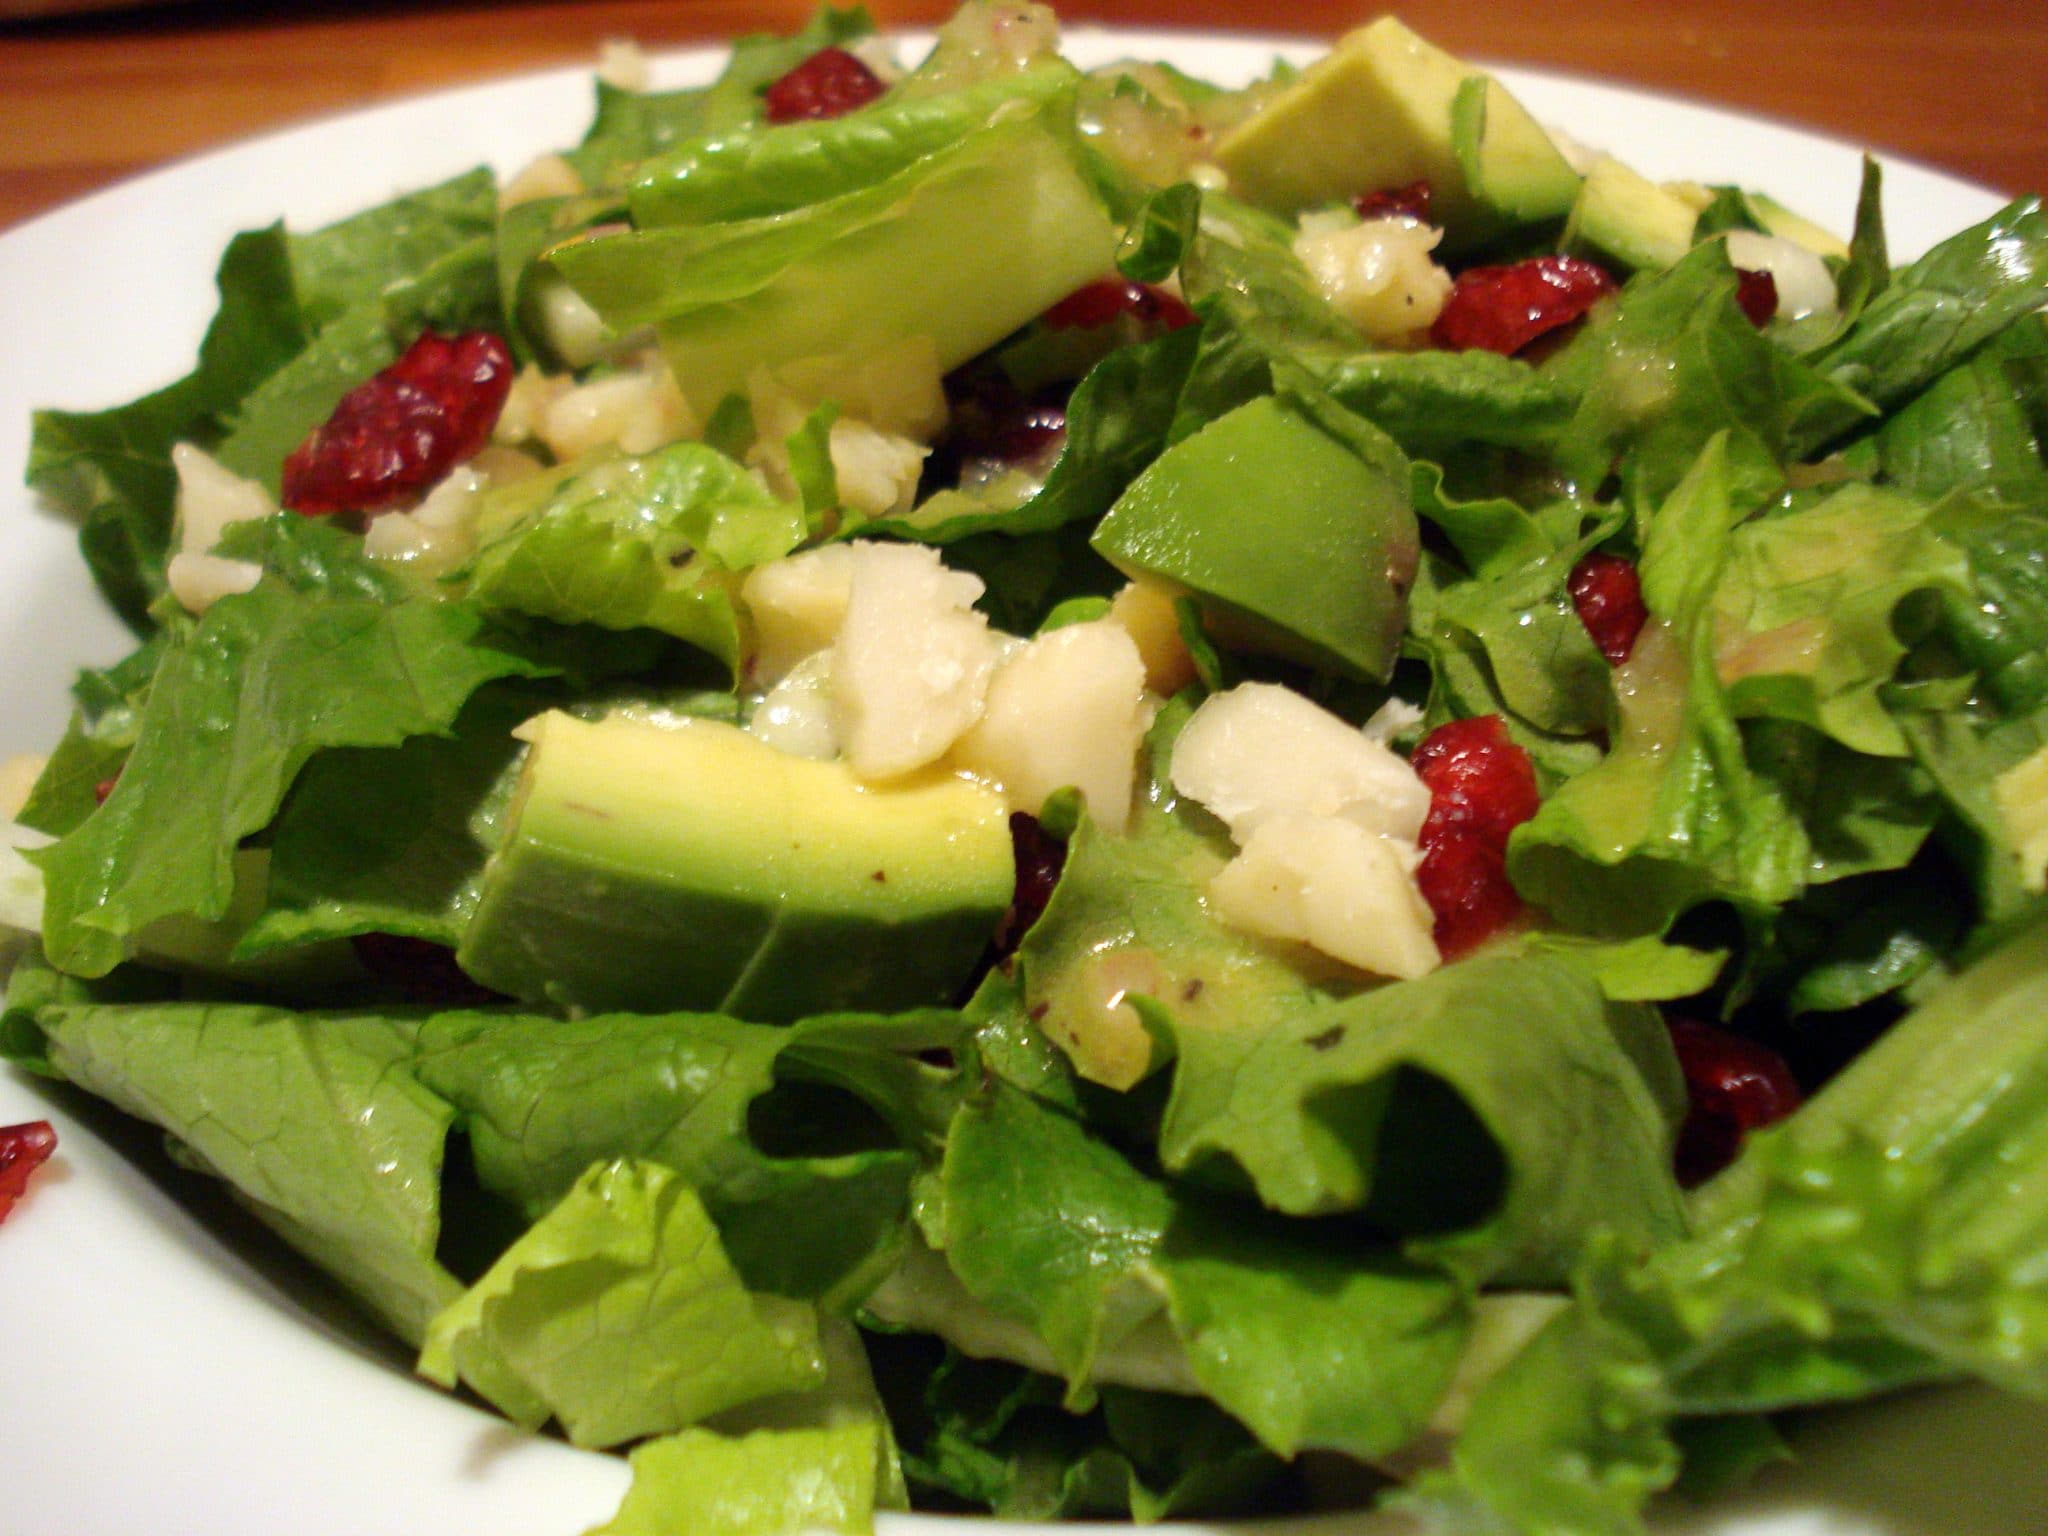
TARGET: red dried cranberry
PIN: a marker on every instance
(1040, 858)
(421, 971)
(395, 434)
(1733, 1086)
(1757, 294)
(1481, 787)
(1464, 878)
(1503, 309)
(1479, 781)
(1031, 435)
(104, 788)
(23, 1149)
(1410, 202)
(1607, 591)
(830, 83)
(1103, 301)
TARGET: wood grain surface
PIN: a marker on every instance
(88, 99)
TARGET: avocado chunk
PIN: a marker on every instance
(1781, 221)
(1629, 220)
(691, 866)
(1385, 108)
(1289, 520)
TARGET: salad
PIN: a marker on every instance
(981, 787)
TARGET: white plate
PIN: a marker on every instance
(159, 1379)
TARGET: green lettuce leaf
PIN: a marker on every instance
(1891, 1232)
(1978, 426)
(392, 839)
(632, 542)
(1259, 307)
(1999, 627)
(1674, 814)
(1670, 364)
(1434, 402)
(833, 280)
(996, 1436)
(541, 1099)
(1307, 1345)
(111, 469)
(824, 1459)
(313, 1118)
(351, 263)
(1462, 683)
(754, 172)
(1934, 313)
(1411, 1103)
(96, 742)
(1803, 618)
(618, 1314)
(1129, 915)
(1543, 663)
(768, 1482)
(240, 704)
(276, 416)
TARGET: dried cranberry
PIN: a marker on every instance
(1410, 202)
(1607, 591)
(1031, 434)
(1463, 876)
(1757, 294)
(1503, 309)
(23, 1149)
(421, 971)
(104, 788)
(1479, 781)
(830, 83)
(996, 429)
(1481, 787)
(1040, 858)
(394, 435)
(1733, 1086)
(1103, 301)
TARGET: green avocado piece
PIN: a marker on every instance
(1289, 520)
(1800, 230)
(651, 867)
(1625, 218)
(1385, 108)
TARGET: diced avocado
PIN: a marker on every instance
(1291, 525)
(1383, 109)
(962, 246)
(691, 866)
(1779, 220)
(1628, 219)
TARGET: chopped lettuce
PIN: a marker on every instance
(239, 705)
(1890, 1233)
(619, 1315)
(844, 277)
(541, 1099)
(631, 542)
(314, 1118)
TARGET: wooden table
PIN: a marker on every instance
(1962, 84)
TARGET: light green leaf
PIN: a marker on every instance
(618, 1314)
(264, 681)
(314, 1118)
